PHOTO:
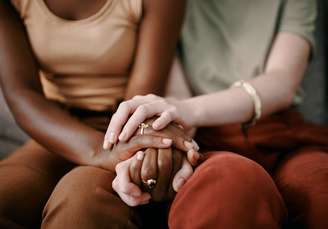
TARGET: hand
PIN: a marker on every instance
(108, 159)
(181, 140)
(161, 165)
(122, 125)
(170, 177)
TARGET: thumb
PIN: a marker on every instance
(182, 175)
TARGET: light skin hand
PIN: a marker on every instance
(276, 87)
(181, 140)
(122, 125)
(173, 170)
(129, 192)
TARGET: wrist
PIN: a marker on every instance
(190, 113)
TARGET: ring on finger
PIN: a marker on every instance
(142, 127)
(150, 183)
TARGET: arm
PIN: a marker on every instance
(284, 71)
(277, 87)
(158, 36)
(41, 119)
(159, 32)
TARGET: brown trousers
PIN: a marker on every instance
(277, 175)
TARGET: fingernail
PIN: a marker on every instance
(140, 155)
(195, 144)
(167, 141)
(189, 145)
(111, 137)
(155, 125)
(122, 137)
(180, 182)
(105, 145)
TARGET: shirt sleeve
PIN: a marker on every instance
(299, 17)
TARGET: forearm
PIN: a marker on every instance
(234, 105)
(55, 129)
(43, 120)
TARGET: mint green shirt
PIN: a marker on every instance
(224, 41)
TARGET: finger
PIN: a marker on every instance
(180, 139)
(164, 163)
(135, 168)
(136, 143)
(193, 157)
(141, 114)
(164, 120)
(177, 157)
(135, 201)
(123, 182)
(182, 175)
(149, 167)
(119, 119)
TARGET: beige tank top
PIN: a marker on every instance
(84, 63)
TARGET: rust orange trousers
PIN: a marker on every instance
(276, 176)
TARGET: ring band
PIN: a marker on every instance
(150, 183)
(142, 127)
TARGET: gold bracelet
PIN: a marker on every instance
(255, 98)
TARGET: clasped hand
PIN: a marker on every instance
(169, 167)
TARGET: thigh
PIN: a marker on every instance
(302, 179)
(27, 178)
(226, 187)
(84, 198)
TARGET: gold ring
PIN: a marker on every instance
(150, 183)
(142, 127)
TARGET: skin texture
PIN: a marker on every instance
(45, 121)
(284, 71)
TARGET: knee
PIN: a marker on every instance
(81, 195)
(226, 185)
(303, 182)
(82, 183)
(305, 170)
(238, 170)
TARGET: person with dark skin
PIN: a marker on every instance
(63, 141)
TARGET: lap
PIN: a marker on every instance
(27, 178)
(86, 200)
(302, 179)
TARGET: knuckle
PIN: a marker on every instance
(137, 97)
(114, 184)
(142, 109)
(151, 96)
(118, 168)
(124, 106)
(172, 111)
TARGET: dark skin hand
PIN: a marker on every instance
(45, 121)
(160, 164)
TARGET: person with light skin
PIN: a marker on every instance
(64, 67)
(244, 62)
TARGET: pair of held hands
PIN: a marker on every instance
(167, 156)
(168, 167)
